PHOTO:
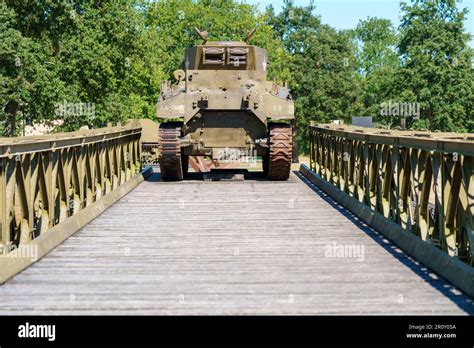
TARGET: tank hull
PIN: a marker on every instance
(225, 103)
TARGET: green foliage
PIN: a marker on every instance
(112, 54)
(88, 52)
(376, 41)
(24, 79)
(171, 26)
(115, 54)
(324, 79)
(436, 66)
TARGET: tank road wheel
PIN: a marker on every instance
(279, 152)
(170, 159)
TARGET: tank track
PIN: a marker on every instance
(173, 165)
(277, 164)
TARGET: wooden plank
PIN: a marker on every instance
(240, 247)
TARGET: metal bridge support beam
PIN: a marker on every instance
(423, 182)
(50, 186)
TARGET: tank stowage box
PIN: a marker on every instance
(228, 110)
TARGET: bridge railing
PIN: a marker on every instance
(46, 180)
(422, 181)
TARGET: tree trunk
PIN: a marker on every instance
(10, 125)
(430, 118)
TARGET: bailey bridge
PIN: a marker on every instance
(379, 222)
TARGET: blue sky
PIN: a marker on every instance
(345, 14)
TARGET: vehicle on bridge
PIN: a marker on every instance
(227, 109)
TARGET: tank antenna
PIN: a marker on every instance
(249, 35)
(202, 34)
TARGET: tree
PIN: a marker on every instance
(171, 25)
(324, 79)
(24, 77)
(436, 66)
(83, 52)
(113, 55)
(376, 41)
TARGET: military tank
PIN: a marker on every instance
(222, 106)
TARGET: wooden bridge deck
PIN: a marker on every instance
(250, 247)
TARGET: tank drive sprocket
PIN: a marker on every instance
(277, 163)
(173, 164)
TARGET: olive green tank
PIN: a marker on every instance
(222, 106)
